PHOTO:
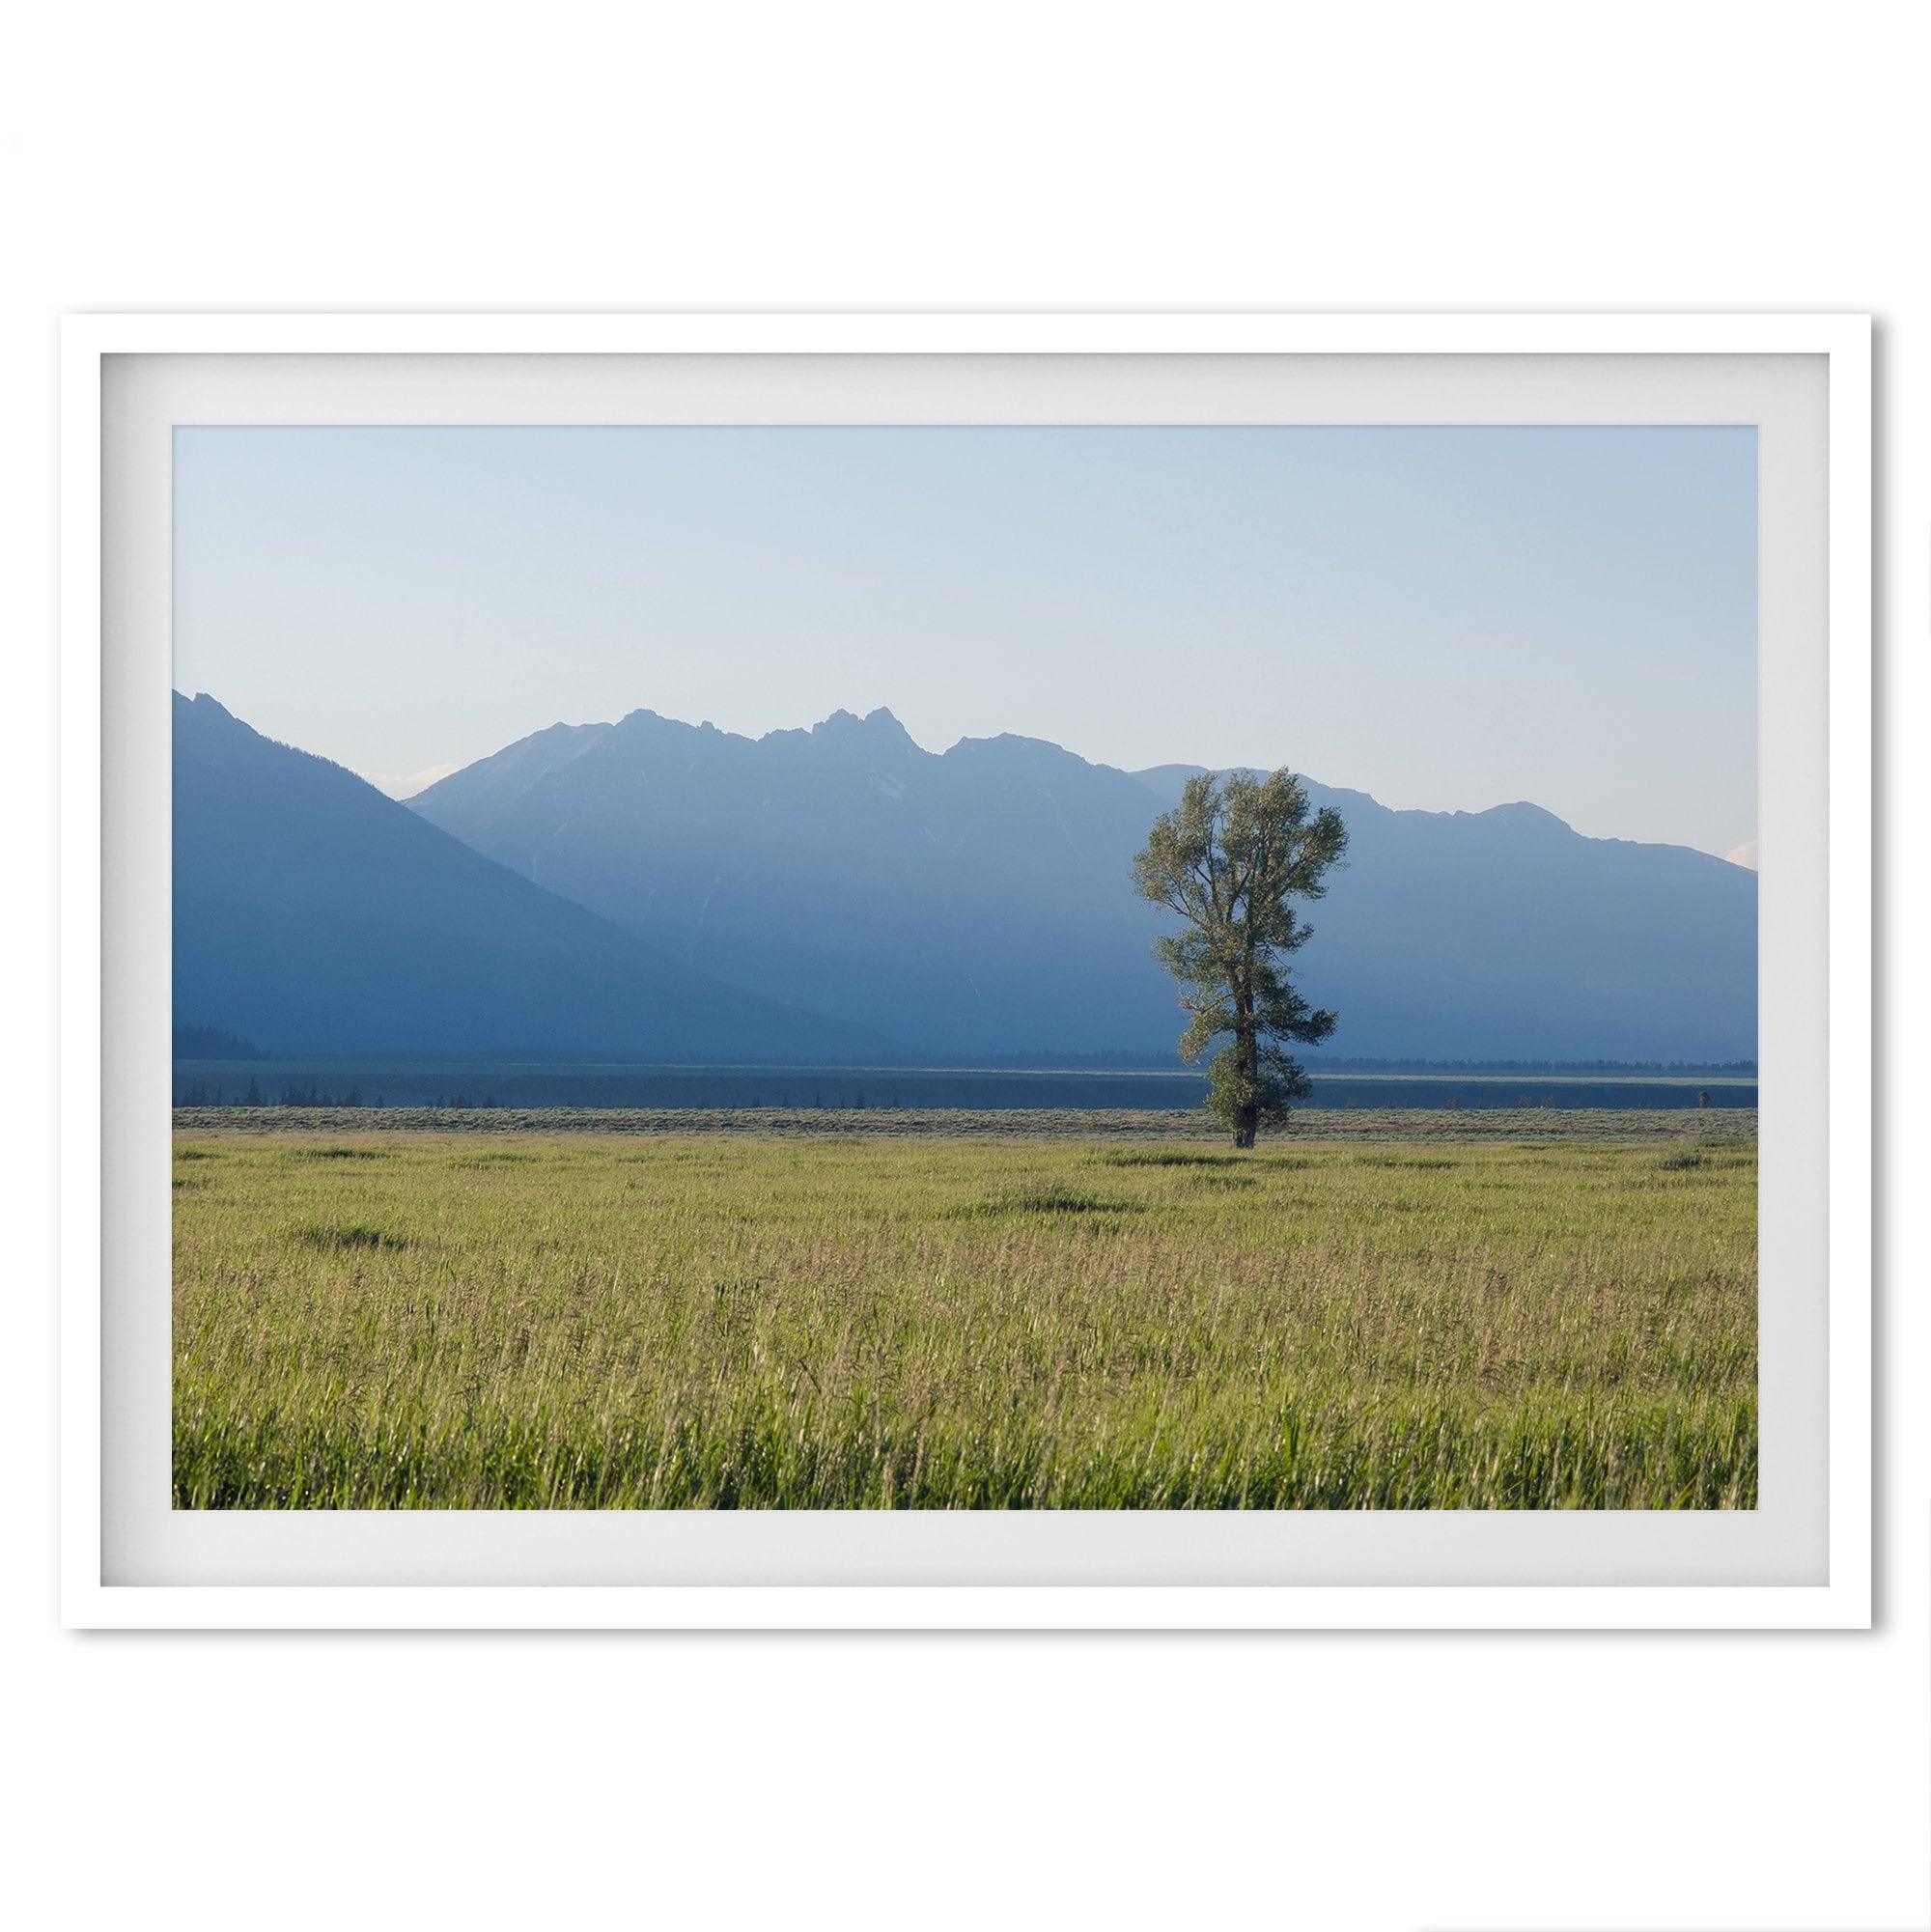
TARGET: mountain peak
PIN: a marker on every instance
(1519, 815)
(876, 727)
(202, 704)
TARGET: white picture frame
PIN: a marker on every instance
(99, 1592)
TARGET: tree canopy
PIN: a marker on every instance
(1230, 859)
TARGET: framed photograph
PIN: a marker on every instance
(1009, 971)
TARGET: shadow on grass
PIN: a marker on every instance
(351, 1236)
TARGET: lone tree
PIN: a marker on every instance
(1230, 858)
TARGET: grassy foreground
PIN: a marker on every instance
(374, 1319)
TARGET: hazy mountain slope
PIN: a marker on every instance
(1503, 934)
(980, 901)
(963, 904)
(318, 916)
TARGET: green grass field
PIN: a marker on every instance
(1369, 1313)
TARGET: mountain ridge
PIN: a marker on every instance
(978, 899)
(316, 915)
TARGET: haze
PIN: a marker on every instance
(1445, 618)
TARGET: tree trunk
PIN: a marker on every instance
(1246, 1062)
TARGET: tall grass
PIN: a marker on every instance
(599, 1320)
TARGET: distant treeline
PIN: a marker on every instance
(1344, 1063)
(198, 1092)
(304, 1093)
(211, 1042)
(1325, 1063)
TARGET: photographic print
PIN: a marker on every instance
(964, 969)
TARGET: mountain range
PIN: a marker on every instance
(979, 901)
(649, 888)
(314, 915)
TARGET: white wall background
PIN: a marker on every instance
(997, 156)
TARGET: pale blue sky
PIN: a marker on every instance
(1445, 618)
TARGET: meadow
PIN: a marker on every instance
(1372, 1312)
